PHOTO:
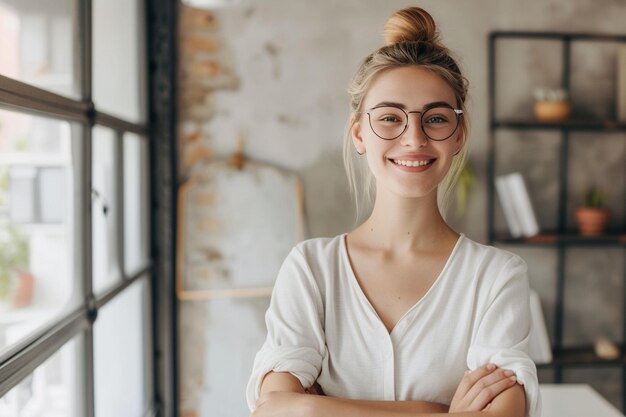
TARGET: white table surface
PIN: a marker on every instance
(574, 400)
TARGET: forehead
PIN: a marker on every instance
(412, 86)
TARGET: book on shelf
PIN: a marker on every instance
(506, 201)
(516, 205)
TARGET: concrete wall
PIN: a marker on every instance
(276, 72)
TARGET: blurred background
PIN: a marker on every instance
(159, 159)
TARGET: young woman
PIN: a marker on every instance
(402, 316)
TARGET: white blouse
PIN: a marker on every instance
(321, 327)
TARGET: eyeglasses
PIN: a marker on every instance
(438, 123)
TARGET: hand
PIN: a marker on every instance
(281, 404)
(478, 388)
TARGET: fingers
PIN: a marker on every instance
(478, 388)
(490, 379)
(480, 373)
(485, 397)
(489, 387)
(471, 377)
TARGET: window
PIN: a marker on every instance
(118, 48)
(37, 44)
(120, 368)
(50, 390)
(36, 224)
(75, 273)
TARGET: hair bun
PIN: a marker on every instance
(410, 25)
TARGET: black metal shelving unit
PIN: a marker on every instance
(562, 238)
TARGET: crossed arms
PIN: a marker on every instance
(485, 392)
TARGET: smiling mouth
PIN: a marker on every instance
(412, 163)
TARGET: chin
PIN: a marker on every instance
(413, 192)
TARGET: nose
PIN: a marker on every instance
(414, 133)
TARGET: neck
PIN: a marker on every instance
(401, 225)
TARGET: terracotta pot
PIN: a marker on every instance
(552, 111)
(591, 221)
(23, 295)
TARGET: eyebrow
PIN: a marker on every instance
(403, 107)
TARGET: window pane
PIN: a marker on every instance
(50, 391)
(135, 202)
(36, 223)
(103, 209)
(120, 340)
(118, 56)
(37, 43)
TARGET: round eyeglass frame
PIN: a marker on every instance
(458, 112)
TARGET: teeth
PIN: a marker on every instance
(412, 163)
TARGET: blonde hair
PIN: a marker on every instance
(411, 38)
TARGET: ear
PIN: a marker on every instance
(355, 133)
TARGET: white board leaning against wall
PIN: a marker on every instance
(236, 225)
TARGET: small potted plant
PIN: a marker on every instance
(592, 217)
(16, 282)
(551, 105)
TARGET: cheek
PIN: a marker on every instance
(448, 147)
(377, 150)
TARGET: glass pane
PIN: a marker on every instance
(37, 43)
(118, 58)
(135, 202)
(52, 390)
(36, 223)
(120, 341)
(104, 213)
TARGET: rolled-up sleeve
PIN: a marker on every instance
(503, 331)
(295, 340)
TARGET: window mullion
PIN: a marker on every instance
(22, 97)
(114, 291)
(118, 152)
(85, 53)
(24, 362)
(116, 123)
(85, 30)
(85, 217)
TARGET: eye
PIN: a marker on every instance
(390, 118)
(436, 119)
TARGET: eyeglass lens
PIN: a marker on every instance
(438, 123)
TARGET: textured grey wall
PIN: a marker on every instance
(293, 60)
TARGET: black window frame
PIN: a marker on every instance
(159, 131)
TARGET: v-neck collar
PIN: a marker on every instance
(355, 282)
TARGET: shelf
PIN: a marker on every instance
(581, 356)
(582, 125)
(571, 239)
(564, 36)
(566, 235)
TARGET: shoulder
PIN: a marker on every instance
(307, 267)
(493, 269)
(487, 257)
(320, 248)
(322, 258)
(500, 276)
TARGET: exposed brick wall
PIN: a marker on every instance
(202, 69)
